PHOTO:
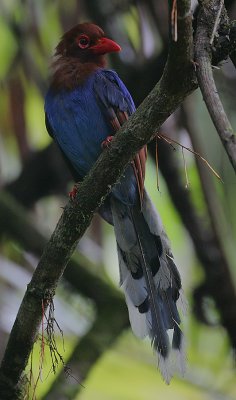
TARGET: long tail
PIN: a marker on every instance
(150, 279)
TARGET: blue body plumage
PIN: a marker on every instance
(85, 104)
(77, 117)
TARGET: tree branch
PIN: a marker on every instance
(15, 224)
(232, 36)
(44, 172)
(177, 82)
(205, 242)
(110, 305)
(207, 17)
(89, 349)
(217, 268)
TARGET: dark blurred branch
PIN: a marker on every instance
(17, 104)
(233, 57)
(45, 173)
(108, 326)
(232, 36)
(16, 224)
(217, 271)
(219, 282)
(205, 175)
(203, 55)
(177, 82)
(159, 11)
(110, 306)
(23, 33)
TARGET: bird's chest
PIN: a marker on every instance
(79, 127)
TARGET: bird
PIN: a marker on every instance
(85, 105)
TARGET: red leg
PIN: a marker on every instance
(106, 143)
(73, 192)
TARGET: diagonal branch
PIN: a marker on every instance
(232, 37)
(205, 242)
(110, 305)
(208, 16)
(216, 265)
(89, 349)
(15, 224)
(177, 82)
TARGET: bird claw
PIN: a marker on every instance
(106, 143)
(73, 192)
(195, 65)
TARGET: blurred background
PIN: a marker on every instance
(97, 356)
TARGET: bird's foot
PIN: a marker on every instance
(195, 65)
(106, 143)
(73, 192)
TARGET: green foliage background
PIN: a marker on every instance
(127, 370)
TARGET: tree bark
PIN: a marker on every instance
(177, 82)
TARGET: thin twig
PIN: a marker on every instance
(157, 165)
(185, 169)
(206, 19)
(169, 140)
(166, 96)
(218, 269)
(174, 15)
(215, 265)
(217, 20)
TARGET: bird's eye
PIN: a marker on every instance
(83, 41)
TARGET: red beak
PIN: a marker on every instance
(105, 46)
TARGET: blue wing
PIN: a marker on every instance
(79, 120)
(117, 105)
(113, 97)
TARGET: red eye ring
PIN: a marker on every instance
(83, 41)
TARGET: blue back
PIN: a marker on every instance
(80, 119)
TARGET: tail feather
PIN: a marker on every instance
(138, 320)
(134, 287)
(135, 296)
(149, 278)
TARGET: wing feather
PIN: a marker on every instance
(117, 105)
